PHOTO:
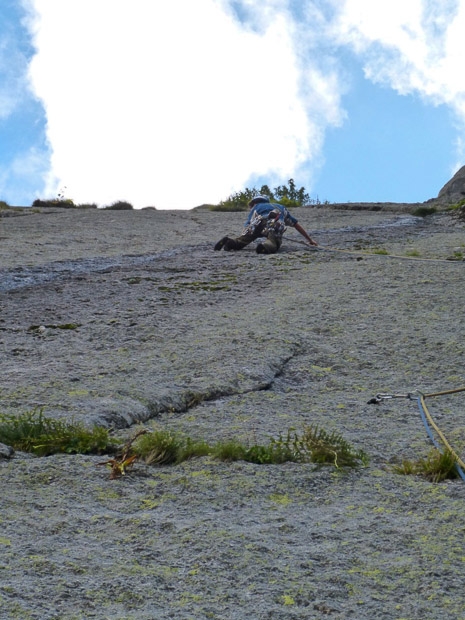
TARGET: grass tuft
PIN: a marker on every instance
(163, 447)
(33, 432)
(435, 467)
(228, 451)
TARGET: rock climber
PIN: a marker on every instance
(266, 220)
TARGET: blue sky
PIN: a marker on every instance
(391, 147)
(174, 103)
(24, 152)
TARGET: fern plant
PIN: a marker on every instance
(314, 445)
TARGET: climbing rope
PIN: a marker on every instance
(428, 421)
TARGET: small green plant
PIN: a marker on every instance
(163, 447)
(406, 468)
(325, 447)
(413, 253)
(424, 211)
(4, 205)
(457, 207)
(63, 203)
(191, 449)
(380, 251)
(457, 255)
(229, 451)
(275, 452)
(33, 432)
(436, 466)
(120, 205)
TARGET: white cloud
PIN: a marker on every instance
(413, 47)
(171, 103)
(176, 103)
(25, 174)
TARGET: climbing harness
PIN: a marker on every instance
(428, 420)
(275, 225)
(263, 226)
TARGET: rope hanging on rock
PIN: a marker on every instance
(428, 421)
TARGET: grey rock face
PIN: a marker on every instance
(6, 452)
(144, 320)
(454, 190)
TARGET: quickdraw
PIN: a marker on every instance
(255, 222)
(376, 400)
(428, 421)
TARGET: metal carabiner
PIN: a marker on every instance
(380, 397)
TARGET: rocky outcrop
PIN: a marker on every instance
(454, 190)
(6, 452)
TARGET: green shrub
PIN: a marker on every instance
(239, 201)
(4, 205)
(290, 196)
(33, 432)
(424, 211)
(63, 203)
(287, 195)
(120, 205)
